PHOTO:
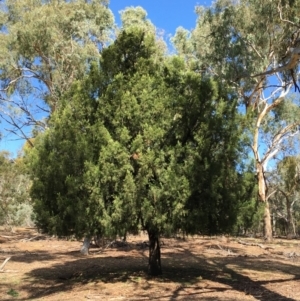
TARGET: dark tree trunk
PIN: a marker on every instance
(99, 241)
(154, 266)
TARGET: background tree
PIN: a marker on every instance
(286, 193)
(137, 17)
(15, 205)
(250, 210)
(45, 46)
(251, 45)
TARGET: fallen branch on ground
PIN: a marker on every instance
(109, 245)
(252, 244)
(33, 238)
(291, 254)
(9, 237)
(4, 263)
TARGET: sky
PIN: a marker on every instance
(166, 15)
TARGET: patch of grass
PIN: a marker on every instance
(13, 293)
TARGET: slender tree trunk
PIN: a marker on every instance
(290, 226)
(274, 225)
(99, 241)
(267, 222)
(263, 198)
(154, 266)
(290, 222)
(85, 246)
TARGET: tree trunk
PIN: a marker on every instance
(154, 267)
(85, 246)
(99, 241)
(262, 191)
(267, 222)
(291, 231)
(290, 226)
(274, 224)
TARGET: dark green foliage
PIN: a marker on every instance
(250, 210)
(141, 142)
(58, 167)
(211, 138)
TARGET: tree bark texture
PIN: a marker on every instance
(154, 267)
(85, 246)
(262, 190)
(291, 231)
(267, 222)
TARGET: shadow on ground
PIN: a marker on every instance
(182, 268)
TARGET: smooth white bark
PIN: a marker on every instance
(85, 246)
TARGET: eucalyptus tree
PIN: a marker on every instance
(15, 206)
(136, 16)
(286, 184)
(44, 47)
(254, 47)
(142, 142)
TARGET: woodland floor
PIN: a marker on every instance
(197, 268)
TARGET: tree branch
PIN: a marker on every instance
(284, 20)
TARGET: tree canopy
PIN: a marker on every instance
(253, 47)
(15, 209)
(45, 46)
(141, 143)
(124, 135)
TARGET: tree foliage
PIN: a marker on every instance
(284, 184)
(45, 46)
(15, 205)
(135, 138)
(253, 47)
(141, 143)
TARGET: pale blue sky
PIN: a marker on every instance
(166, 15)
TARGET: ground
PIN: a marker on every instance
(194, 268)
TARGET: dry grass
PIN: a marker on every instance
(199, 268)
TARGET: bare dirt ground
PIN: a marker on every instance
(197, 268)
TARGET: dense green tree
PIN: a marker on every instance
(253, 47)
(59, 165)
(142, 142)
(250, 210)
